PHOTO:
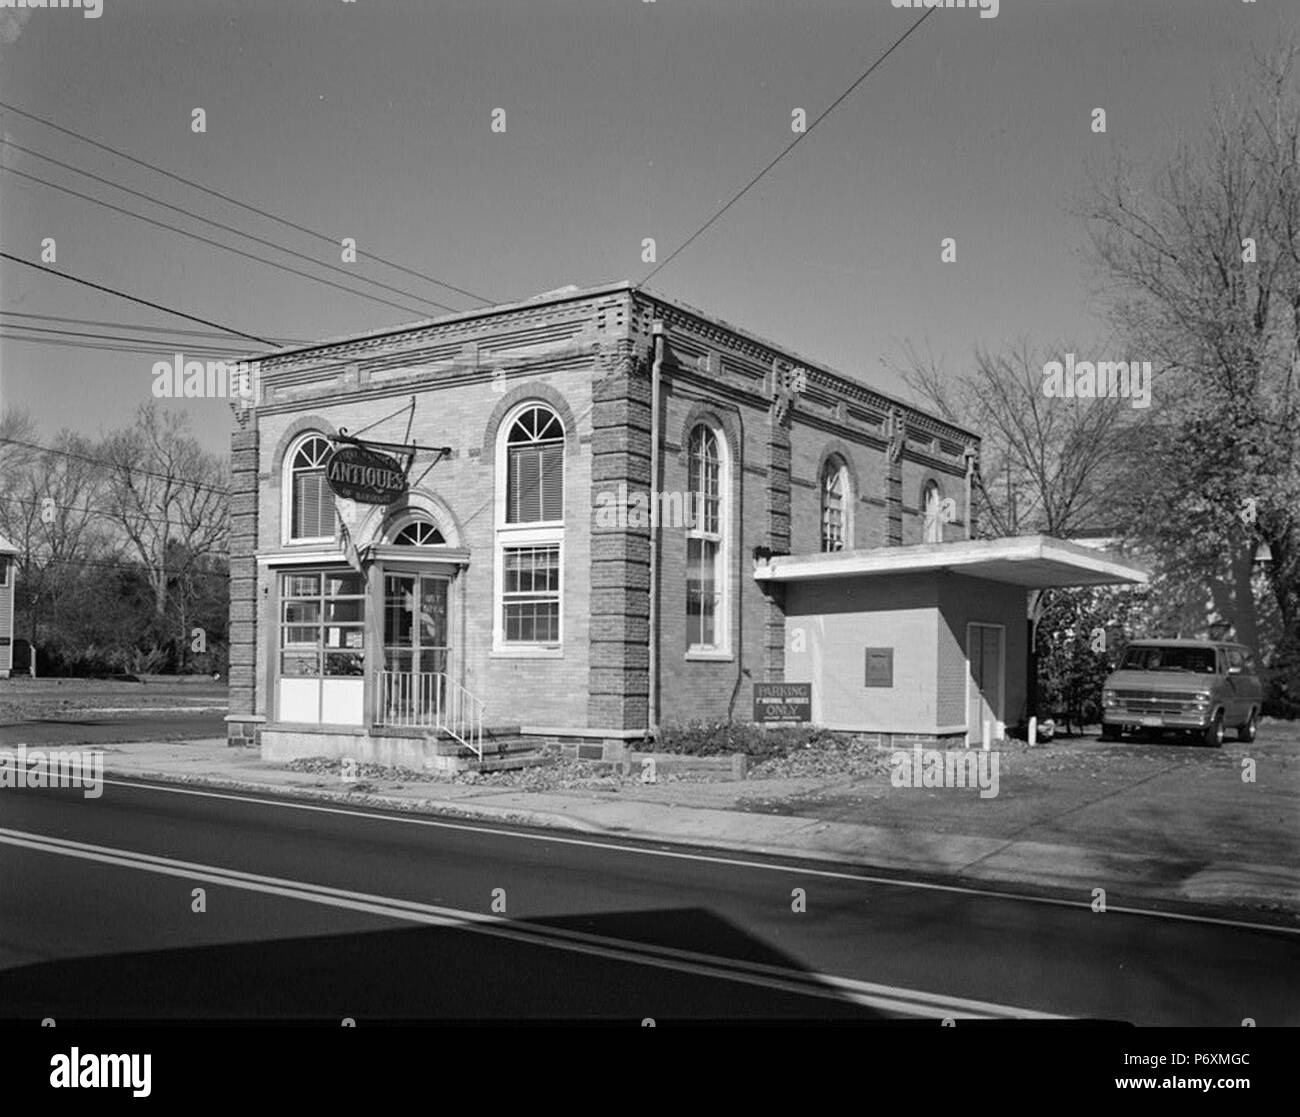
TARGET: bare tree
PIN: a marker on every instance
(1201, 265)
(168, 498)
(1058, 457)
(48, 510)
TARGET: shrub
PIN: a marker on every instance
(696, 738)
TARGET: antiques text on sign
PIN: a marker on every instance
(364, 475)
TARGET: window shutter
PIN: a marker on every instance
(552, 467)
(530, 485)
(535, 484)
(313, 506)
(326, 499)
(306, 506)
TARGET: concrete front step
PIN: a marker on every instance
(466, 761)
(505, 763)
(503, 750)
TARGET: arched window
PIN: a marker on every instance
(535, 467)
(706, 542)
(835, 503)
(310, 500)
(529, 532)
(931, 508)
(419, 533)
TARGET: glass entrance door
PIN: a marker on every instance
(416, 647)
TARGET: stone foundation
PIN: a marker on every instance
(391, 750)
(244, 732)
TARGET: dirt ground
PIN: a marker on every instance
(1135, 796)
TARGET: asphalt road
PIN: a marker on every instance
(92, 727)
(319, 911)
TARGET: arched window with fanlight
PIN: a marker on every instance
(707, 631)
(419, 533)
(309, 501)
(535, 467)
(835, 503)
(529, 531)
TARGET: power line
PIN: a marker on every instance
(214, 243)
(132, 298)
(192, 346)
(106, 348)
(80, 508)
(116, 465)
(789, 147)
(236, 202)
(227, 228)
(139, 327)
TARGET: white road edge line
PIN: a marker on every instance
(927, 886)
(826, 986)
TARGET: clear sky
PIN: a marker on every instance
(624, 120)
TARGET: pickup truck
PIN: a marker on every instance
(1197, 687)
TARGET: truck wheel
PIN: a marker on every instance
(1213, 734)
(1110, 732)
(1247, 732)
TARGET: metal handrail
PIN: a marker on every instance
(431, 700)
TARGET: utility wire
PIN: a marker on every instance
(789, 147)
(235, 201)
(137, 326)
(213, 243)
(159, 345)
(132, 298)
(87, 511)
(116, 465)
(353, 275)
(105, 348)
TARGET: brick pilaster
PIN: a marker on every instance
(778, 534)
(243, 587)
(894, 487)
(619, 689)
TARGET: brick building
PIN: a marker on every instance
(581, 566)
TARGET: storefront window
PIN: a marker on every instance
(322, 624)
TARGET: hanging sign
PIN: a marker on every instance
(366, 476)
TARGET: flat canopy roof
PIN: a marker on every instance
(1032, 561)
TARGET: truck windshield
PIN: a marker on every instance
(1200, 660)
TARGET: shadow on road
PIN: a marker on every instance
(420, 973)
